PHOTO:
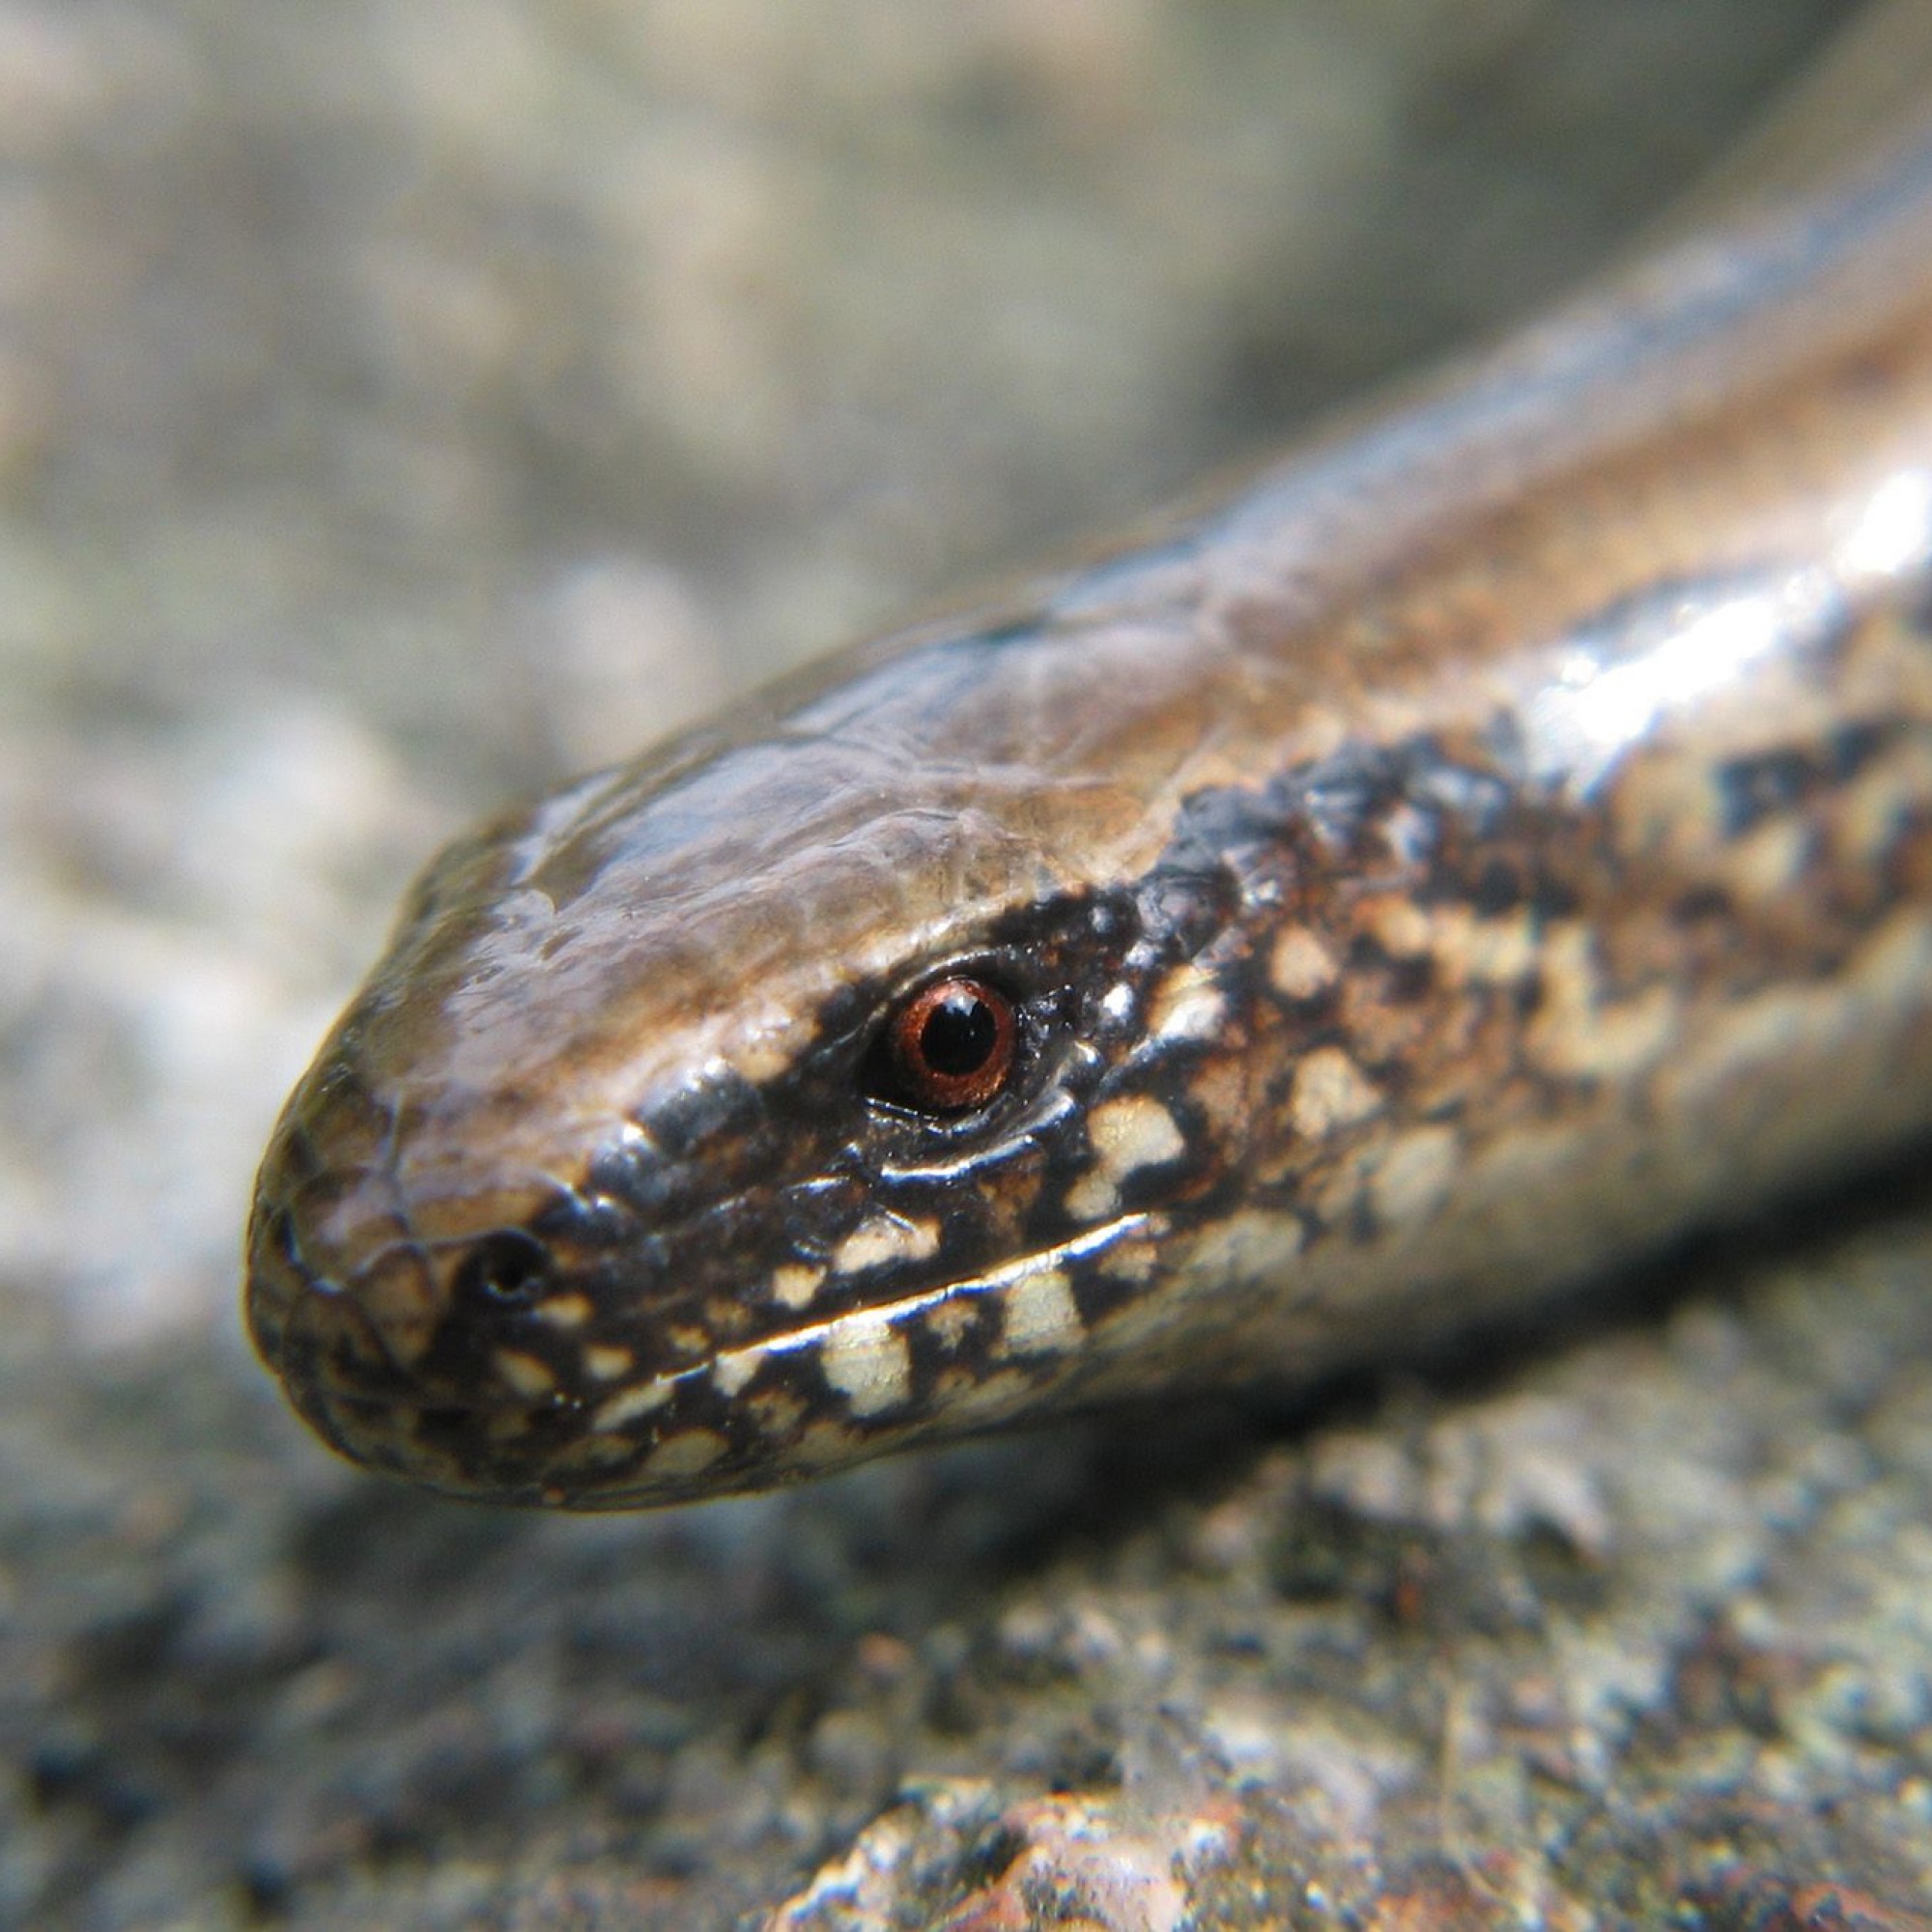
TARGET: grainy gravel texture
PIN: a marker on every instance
(400, 405)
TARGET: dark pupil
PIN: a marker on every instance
(958, 1035)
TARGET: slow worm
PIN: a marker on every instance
(1494, 839)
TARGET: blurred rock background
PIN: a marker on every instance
(402, 406)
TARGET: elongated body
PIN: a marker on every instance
(1492, 841)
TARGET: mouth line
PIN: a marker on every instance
(991, 1281)
(734, 1368)
(391, 1389)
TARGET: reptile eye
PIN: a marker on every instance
(951, 1047)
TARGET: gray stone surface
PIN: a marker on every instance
(400, 405)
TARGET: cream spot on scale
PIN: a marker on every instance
(628, 1406)
(1580, 1034)
(1186, 1005)
(1132, 1260)
(888, 1238)
(1330, 1092)
(949, 1322)
(796, 1286)
(1040, 1313)
(1469, 950)
(1769, 861)
(866, 1360)
(731, 1371)
(1222, 1090)
(1402, 928)
(760, 1060)
(689, 1453)
(1301, 965)
(1127, 1134)
(529, 1375)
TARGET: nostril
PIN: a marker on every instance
(502, 1271)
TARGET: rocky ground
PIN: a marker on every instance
(401, 406)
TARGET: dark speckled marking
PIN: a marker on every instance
(1758, 787)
